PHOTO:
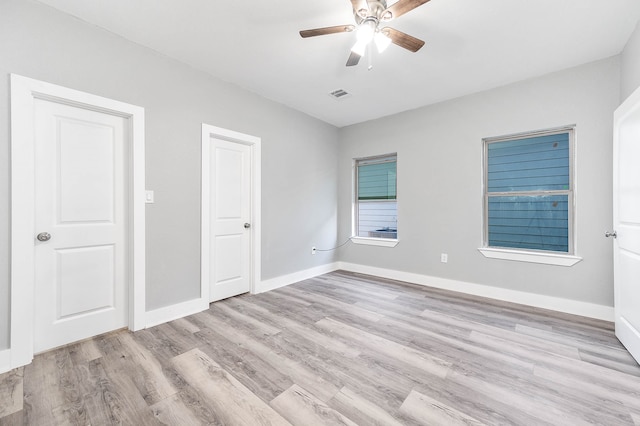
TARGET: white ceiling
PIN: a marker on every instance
(471, 45)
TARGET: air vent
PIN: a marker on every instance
(340, 94)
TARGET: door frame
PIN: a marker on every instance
(24, 92)
(254, 143)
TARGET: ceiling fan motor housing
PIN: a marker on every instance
(376, 10)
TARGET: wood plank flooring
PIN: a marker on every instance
(339, 349)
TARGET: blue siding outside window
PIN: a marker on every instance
(376, 207)
(529, 193)
(539, 223)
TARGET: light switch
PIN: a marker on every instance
(148, 197)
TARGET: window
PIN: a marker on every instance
(375, 200)
(528, 195)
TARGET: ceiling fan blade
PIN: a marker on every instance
(403, 6)
(354, 58)
(327, 30)
(403, 40)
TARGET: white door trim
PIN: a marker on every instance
(24, 92)
(254, 143)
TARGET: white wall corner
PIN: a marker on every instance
(5, 360)
(574, 307)
(173, 312)
(285, 280)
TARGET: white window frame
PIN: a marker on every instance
(529, 255)
(371, 241)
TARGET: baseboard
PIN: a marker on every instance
(190, 307)
(575, 307)
(284, 280)
(5, 360)
(179, 310)
(591, 310)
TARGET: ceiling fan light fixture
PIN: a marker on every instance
(360, 47)
(382, 41)
(366, 31)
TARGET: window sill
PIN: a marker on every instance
(531, 257)
(380, 242)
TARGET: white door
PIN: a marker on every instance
(626, 217)
(81, 248)
(230, 219)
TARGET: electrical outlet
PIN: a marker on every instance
(313, 250)
(444, 257)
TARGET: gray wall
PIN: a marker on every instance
(299, 166)
(630, 63)
(439, 181)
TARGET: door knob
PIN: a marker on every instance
(613, 234)
(43, 236)
(247, 225)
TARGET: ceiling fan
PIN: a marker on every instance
(369, 14)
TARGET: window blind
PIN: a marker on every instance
(377, 181)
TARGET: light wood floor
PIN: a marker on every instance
(340, 349)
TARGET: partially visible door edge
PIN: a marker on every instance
(624, 331)
(24, 92)
(209, 131)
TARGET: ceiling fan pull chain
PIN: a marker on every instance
(370, 55)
